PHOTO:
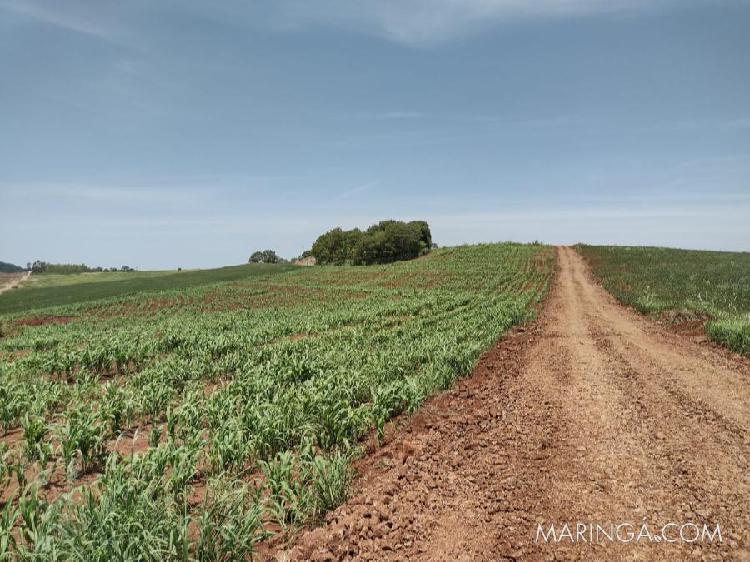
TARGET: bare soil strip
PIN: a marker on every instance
(593, 414)
(10, 281)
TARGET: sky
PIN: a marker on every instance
(181, 133)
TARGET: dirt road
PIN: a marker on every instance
(592, 415)
(10, 280)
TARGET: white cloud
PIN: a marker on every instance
(419, 22)
(717, 124)
(401, 115)
(27, 194)
(76, 16)
(412, 22)
(349, 193)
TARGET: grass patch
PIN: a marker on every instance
(681, 284)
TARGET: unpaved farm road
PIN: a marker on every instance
(593, 414)
(10, 280)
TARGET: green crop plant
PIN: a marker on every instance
(15, 399)
(228, 447)
(5, 462)
(37, 521)
(337, 423)
(13, 465)
(183, 466)
(154, 436)
(306, 484)
(82, 441)
(231, 521)
(34, 431)
(329, 478)
(116, 408)
(8, 518)
(289, 501)
(127, 516)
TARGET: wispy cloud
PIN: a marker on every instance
(105, 194)
(73, 16)
(539, 121)
(381, 115)
(412, 22)
(720, 124)
(357, 190)
(428, 21)
(401, 115)
(730, 124)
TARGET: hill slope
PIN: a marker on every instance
(58, 290)
(6, 267)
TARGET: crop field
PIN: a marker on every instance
(682, 284)
(189, 423)
(46, 290)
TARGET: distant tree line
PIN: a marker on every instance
(40, 266)
(6, 267)
(385, 242)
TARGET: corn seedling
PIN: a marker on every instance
(230, 522)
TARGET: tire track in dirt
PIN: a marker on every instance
(707, 375)
(593, 414)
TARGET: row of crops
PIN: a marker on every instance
(681, 284)
(191, 424)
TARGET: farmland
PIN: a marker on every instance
(682, 285)
(593, 409)
(190, 422)
(43, 291)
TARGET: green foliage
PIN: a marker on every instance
(116, 407)
(229, 446)
(265, 256)
(8, 518)
(305, 485)
(681, 284)
(733, 333)
(128, 516)
(336, 247)
(385, 242)
(328, 478)
(231, 522)
(37, 520)
(82, 441)
(40, 267)
(34, 432)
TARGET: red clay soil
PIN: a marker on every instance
(594, 414)
(44, 320)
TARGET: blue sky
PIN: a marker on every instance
(182, 133)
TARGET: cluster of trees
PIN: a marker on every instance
(40, 266)
(6, 267)
(385, 242)
(265, 256)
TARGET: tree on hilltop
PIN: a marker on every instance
(265, 256)
(384, 242)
